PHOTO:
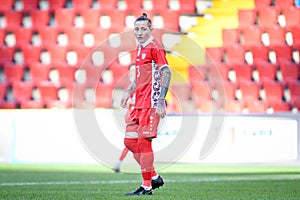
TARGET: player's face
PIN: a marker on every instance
(142, 31)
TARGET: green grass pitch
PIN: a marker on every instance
(183, 181)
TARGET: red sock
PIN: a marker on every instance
(123, 154)
(146, 160)
(132, 145)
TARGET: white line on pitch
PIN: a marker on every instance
(135, 181)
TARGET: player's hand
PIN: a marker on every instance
(161, 108)
(125, 99)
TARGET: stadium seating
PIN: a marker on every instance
(266, 71)
(22, 91)
(230, 37)
(246, 18)
(56, 4)
(6, 5)
(13, 72)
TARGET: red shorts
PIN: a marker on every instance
(142, 123)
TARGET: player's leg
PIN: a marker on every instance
(131, 135)
(147, 131)
(117, 166)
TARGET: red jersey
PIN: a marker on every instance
(150, 57)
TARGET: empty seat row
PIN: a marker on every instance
(267, 36)
(284, 72)
(266, 16)
(184, 6)
(48, 95)
(114, 20)
(239, 54)
(77, 56)
(64, 75)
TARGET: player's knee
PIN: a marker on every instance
(145, 145)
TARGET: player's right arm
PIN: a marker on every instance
(127, 94)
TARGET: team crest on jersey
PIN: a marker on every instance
(143, 55)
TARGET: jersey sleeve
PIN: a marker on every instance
(159, 56)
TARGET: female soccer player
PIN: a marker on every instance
(151, 84)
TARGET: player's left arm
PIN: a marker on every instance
(165, 84)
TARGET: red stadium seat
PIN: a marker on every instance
(200, 91)
(233, 107)
(31, 53)
(289, 72)
(214, 54)
(13, 72)
(22, 35)
(283, 52)
(6, 5)
(48, 91)
(103, 96)
(171, 19)
(230, 36)
(284, 3)
(6, 54)
(181, 90)
(292, 15)
(251, 35)
(266, 70)
(187, 6)
(56, 4)
(82, 5)
(91, 18)
(57, 53)
(22, 91)
(29, 5)
(75, 36)
(235, 54)
(13, 19)
(260, 53)
(246, 18)
(197, 73)
(117, 20)
(218, 72)
(160, 5)
(64, 17)
(66, 75)
(276, 35)
(134, 5)
(2, 36)
(107, 5)
(250, 91)
(83, 55)
(207, 106)
(93, 75)
(262, 3)
(120, 76)
(295, 92)
(256, 106)
(48, 35)
(230, 90)
(267, 16)
(40, 18)
(281, 107)
(100, 35)
(274, 92)
(295, 30)
(39, 72)
(243, 72)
